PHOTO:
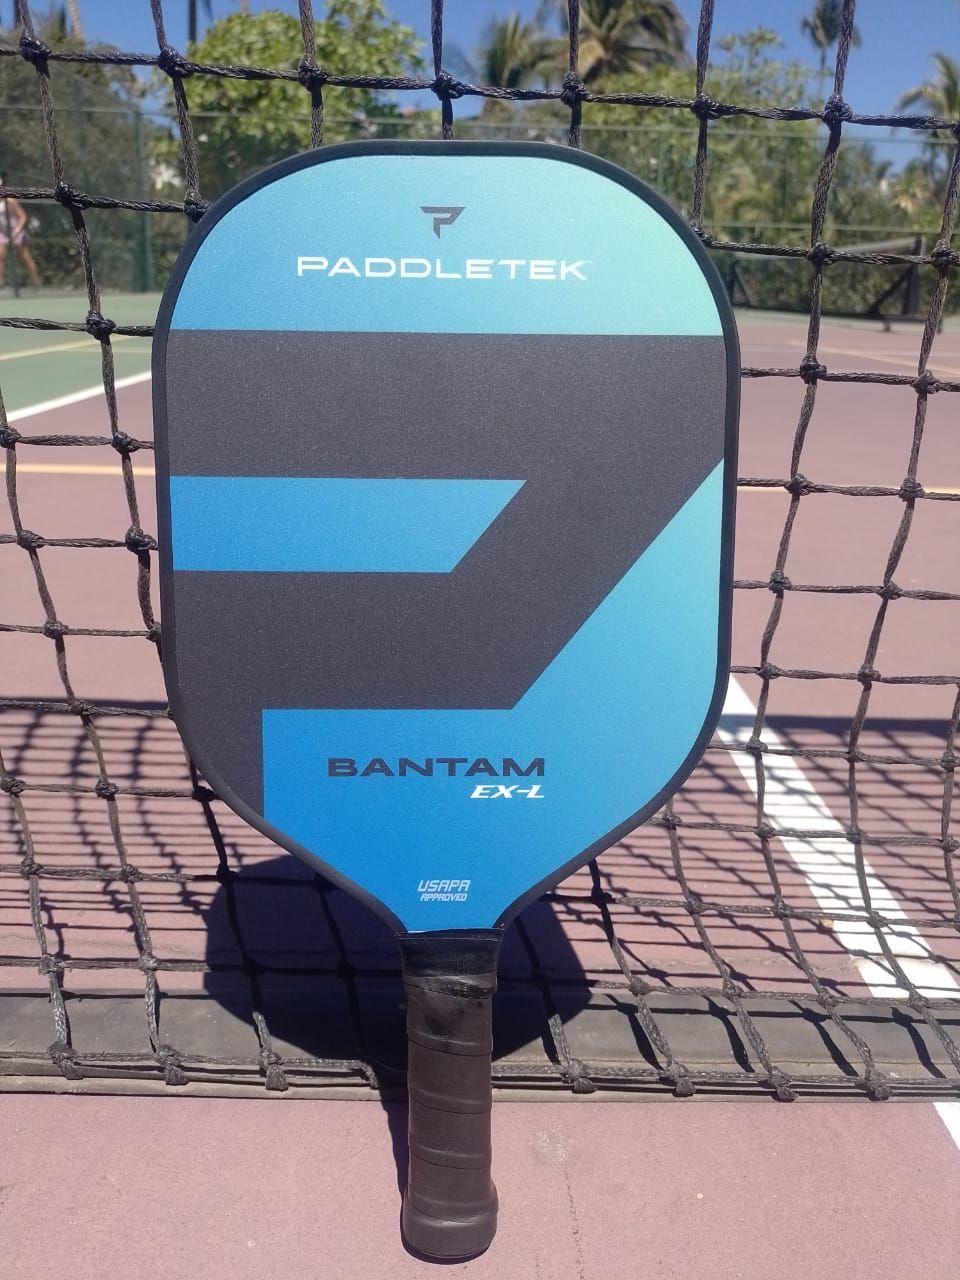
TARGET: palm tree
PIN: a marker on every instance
(512, 53)
(192, 26)
(76, 26)
(937, 97)
(620, 36)
(823, 28)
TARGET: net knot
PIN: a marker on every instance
(171, 1064)
(836, 112)
(683, 1086)
(54, 629)
(766, 830)
(811, 369)
(172, 62)
(47, 964)
(918, 1002)
(575, 1073)
(767, 671)
(890, 591)
(271, 1067)
(194, 207)
(950, 845)
(99, 326)
(942, 256)
(33, 50)
(105, 789)
(867, 674)
(137, 541)
(926, 384)
(445, 86)
(706, 108)
(911, 488)
(780, 909)
(694, 904)
(12, 786)
(64, 1057)
(131, 875)
(153, 633)
(820, 254)
(124, 444)
(878, 1089)
(779, 582)
(572, 90)
(78, 708)
(310, 75)
(783, 1091)
(799, 486)
(756, 747)
(69, 196)
(9, 437)
(29, 540)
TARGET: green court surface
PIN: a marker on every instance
(37, 366)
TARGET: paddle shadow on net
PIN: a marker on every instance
(314, 976)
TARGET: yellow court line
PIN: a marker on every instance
(77, 469)
(102, 469)
(939, 369)
(79, 344)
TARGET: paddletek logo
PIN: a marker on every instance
(320, 267)
(328, 266)
(443, 215)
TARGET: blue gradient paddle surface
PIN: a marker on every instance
(446, 458)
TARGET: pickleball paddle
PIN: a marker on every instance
(445, 460)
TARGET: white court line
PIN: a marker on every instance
(829, 868)
(949, 1113)
(63, 402)
(828, 864)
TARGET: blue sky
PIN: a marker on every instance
(895, 53)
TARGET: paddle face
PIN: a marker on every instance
(446, 460)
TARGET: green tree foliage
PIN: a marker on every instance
(760, 173)
(242, 125)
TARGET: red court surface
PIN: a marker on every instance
(217, 1190)
(211, 1187)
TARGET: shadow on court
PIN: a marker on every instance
(314, 974)
(122, 875)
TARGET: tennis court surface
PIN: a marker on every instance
(786, 930)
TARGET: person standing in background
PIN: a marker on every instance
(13, 231)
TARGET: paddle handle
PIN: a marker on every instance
(450, 1204)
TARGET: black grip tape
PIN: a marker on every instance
(450, 1205)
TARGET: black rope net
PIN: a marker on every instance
(148, 938)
